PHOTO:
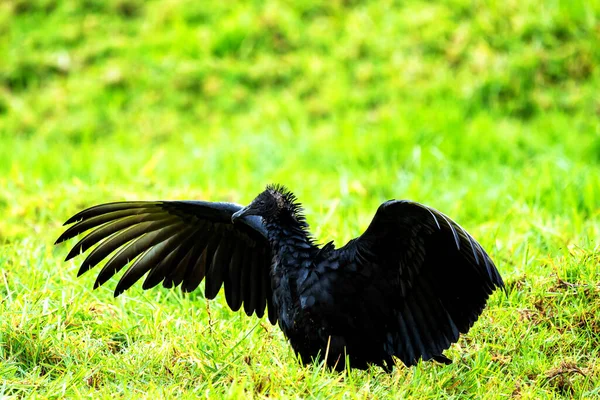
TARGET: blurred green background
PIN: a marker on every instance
(488, 111)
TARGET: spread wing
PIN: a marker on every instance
(434, 278)
(178, 243)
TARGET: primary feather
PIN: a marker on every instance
(406, 288)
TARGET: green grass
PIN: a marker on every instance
(488, 112)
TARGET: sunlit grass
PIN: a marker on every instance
(487, 113)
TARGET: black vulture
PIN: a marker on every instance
(406, 288)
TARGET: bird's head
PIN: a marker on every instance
(275, 202)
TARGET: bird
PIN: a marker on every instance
(405, 289)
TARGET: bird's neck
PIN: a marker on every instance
(289, 235)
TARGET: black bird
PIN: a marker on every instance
(406, 288)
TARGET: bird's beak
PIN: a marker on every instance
(248, 210)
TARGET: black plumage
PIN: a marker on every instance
(406, 288)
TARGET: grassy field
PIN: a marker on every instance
(486, 111)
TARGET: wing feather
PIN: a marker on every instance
(137, 223)
(151, 257)
(233, 279)
(86, 224)
(177, 243)
(118, 239)
(194, 262)
(159, 272)
(218, 269)
(196, 271)
(110, 207)
(436, 277)
(262, 280)
(247, 280)
(134, 249)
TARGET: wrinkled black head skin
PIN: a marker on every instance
(275, 203)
